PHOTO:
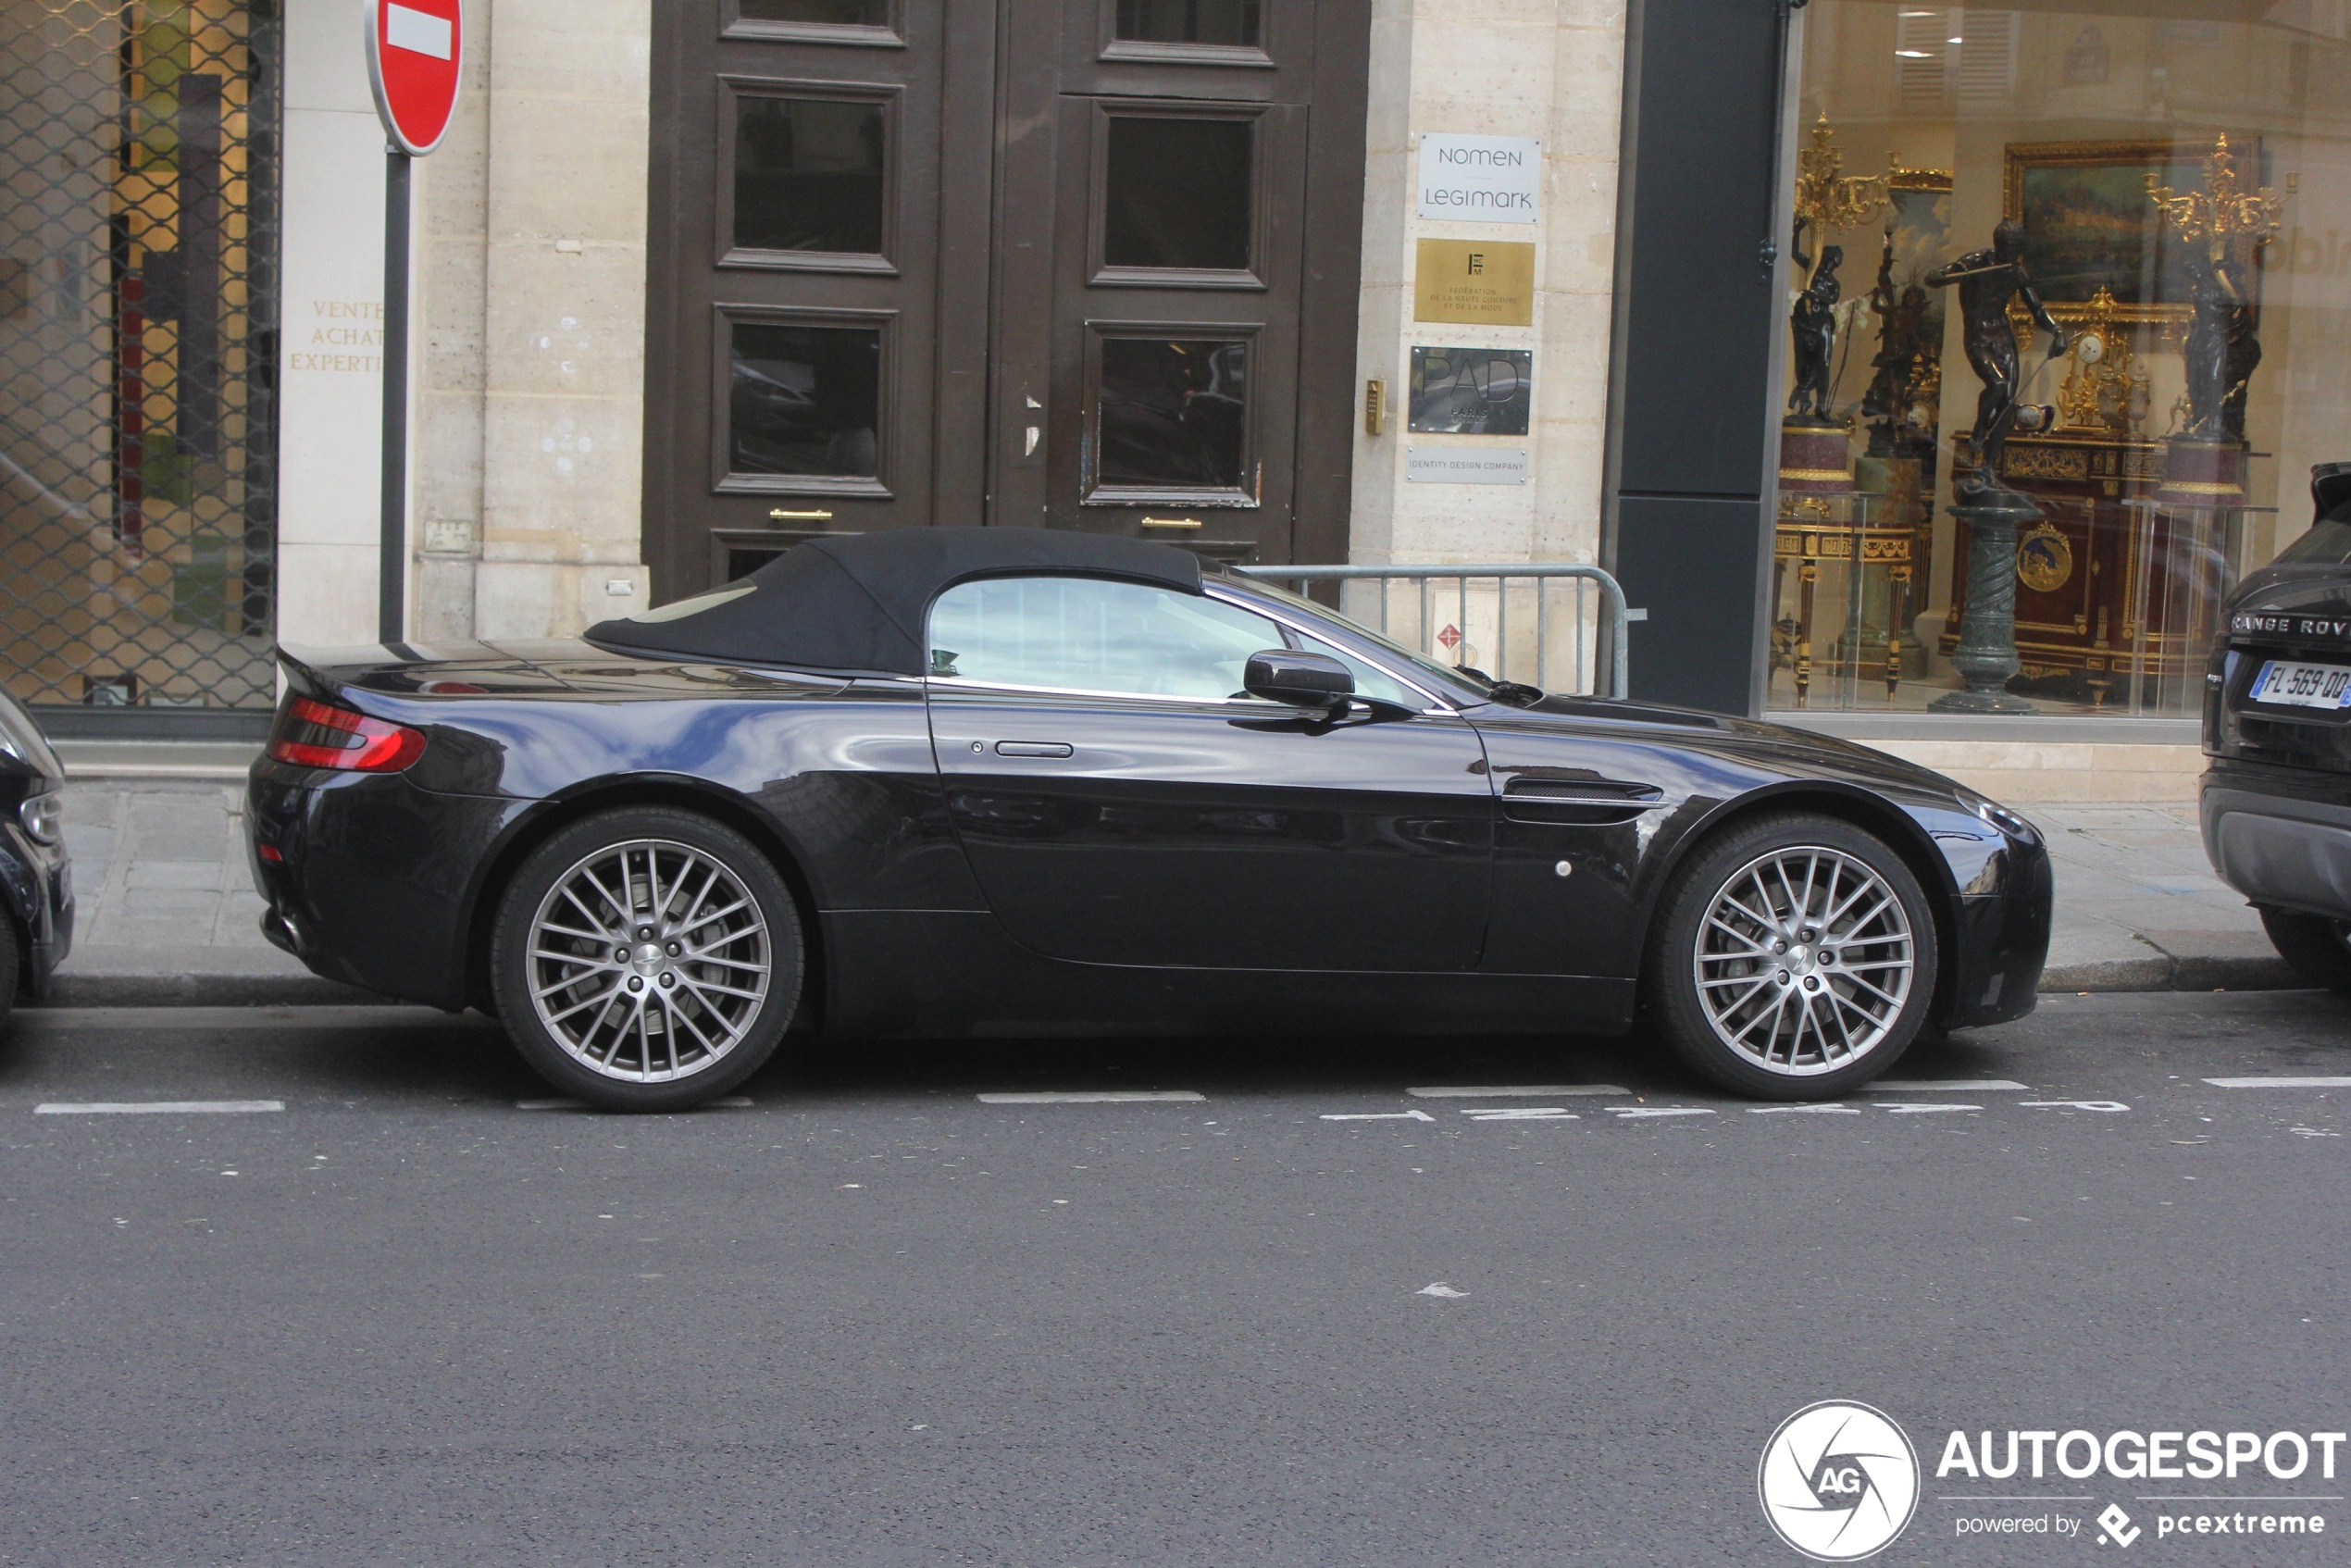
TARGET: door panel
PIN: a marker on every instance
(796, 359)
(888, 287)
(1219, 835)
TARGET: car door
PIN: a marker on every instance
(1122, 801)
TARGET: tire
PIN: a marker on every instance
(2319, 948)
(660, 1028)
(1728, 931)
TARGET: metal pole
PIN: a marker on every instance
(392, 592)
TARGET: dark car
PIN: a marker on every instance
(959, 781)
(2276, 807)
(36, 883)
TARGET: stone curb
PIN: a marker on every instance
(2162, 972)
(203, 990)
(2158, 973)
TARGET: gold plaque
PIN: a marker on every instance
(2044, 559)
(1486, 281)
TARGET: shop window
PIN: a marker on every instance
(2171, 199)
(1177, 192)
(809, 175)
(1170, 416)
(805, 402)
(141, 355)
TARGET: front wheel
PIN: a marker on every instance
(646, 958)
(1794, 958)
(2319, 948)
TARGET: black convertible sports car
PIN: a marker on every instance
(956, 781)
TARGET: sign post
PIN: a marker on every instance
(415, 58)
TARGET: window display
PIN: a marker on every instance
(2124, 235)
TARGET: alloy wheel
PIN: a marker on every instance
(649, 960)
(1804, 961)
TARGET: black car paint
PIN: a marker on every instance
(1294, 891)
(2289, 765)
(36, 880)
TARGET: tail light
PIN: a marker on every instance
(314, 734)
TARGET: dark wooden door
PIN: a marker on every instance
(891, 285)
(813, 366)
(1148, 347)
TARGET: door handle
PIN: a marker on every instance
(1032, 749)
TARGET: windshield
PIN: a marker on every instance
(2327, 544)
(1447, 678)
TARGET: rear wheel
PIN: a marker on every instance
(647, 959)
(2317, 948)
(1793, 958)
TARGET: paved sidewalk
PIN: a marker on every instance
(168, 914)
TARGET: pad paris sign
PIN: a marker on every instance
(415, 54)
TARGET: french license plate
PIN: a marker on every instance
(2302, 685)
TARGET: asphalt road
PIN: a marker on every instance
(869, 1319)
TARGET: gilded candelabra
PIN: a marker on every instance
(1828, 198)
(2226, 212)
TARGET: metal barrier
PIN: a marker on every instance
(1608, 650)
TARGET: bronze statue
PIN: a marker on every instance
(1902, 353)
(2221, 351)
(1813, 324)
(1988, 280)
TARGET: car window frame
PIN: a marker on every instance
(1288, 621)
(969, 683)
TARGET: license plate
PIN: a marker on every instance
(2302, 685)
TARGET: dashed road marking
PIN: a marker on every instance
(1802, 1111)
(1521, 1114)
(2107, 1105)
(155, 1107)
(1951, 1086)
(1911, 1108)
(1512, 1091)
(1649, 1112)
(1094, 1097)
(2280, 1083)
(1379, 1116)
(724, 1103)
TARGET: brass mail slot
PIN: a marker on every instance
(1171, 523)
(781, 515)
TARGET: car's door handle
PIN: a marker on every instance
(1585, 792)
(1032, 749)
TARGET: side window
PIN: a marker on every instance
(1370, 680)
(1095, 636)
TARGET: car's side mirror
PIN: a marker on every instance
(1300, 678)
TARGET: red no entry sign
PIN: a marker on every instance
(415, 53)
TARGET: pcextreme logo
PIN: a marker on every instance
(1838, 1481)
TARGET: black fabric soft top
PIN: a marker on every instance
(858, 601)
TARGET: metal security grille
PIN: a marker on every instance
(138, 351)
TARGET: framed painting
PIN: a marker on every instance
(2089, 225)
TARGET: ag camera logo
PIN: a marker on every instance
(1838, 1481)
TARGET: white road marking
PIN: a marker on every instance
(1380, 1116)
(154, 1107)
(1951, 1086)
(1514, 1092)
(2076, 1104)
(1917, 1110)
(2280, 1083)
(1802, 1111)
(1443, 1289)
(1094, 1097)
(1644, 1113)
(1521, 1114)
(724, 1103)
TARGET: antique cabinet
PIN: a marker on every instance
(2112, 588)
